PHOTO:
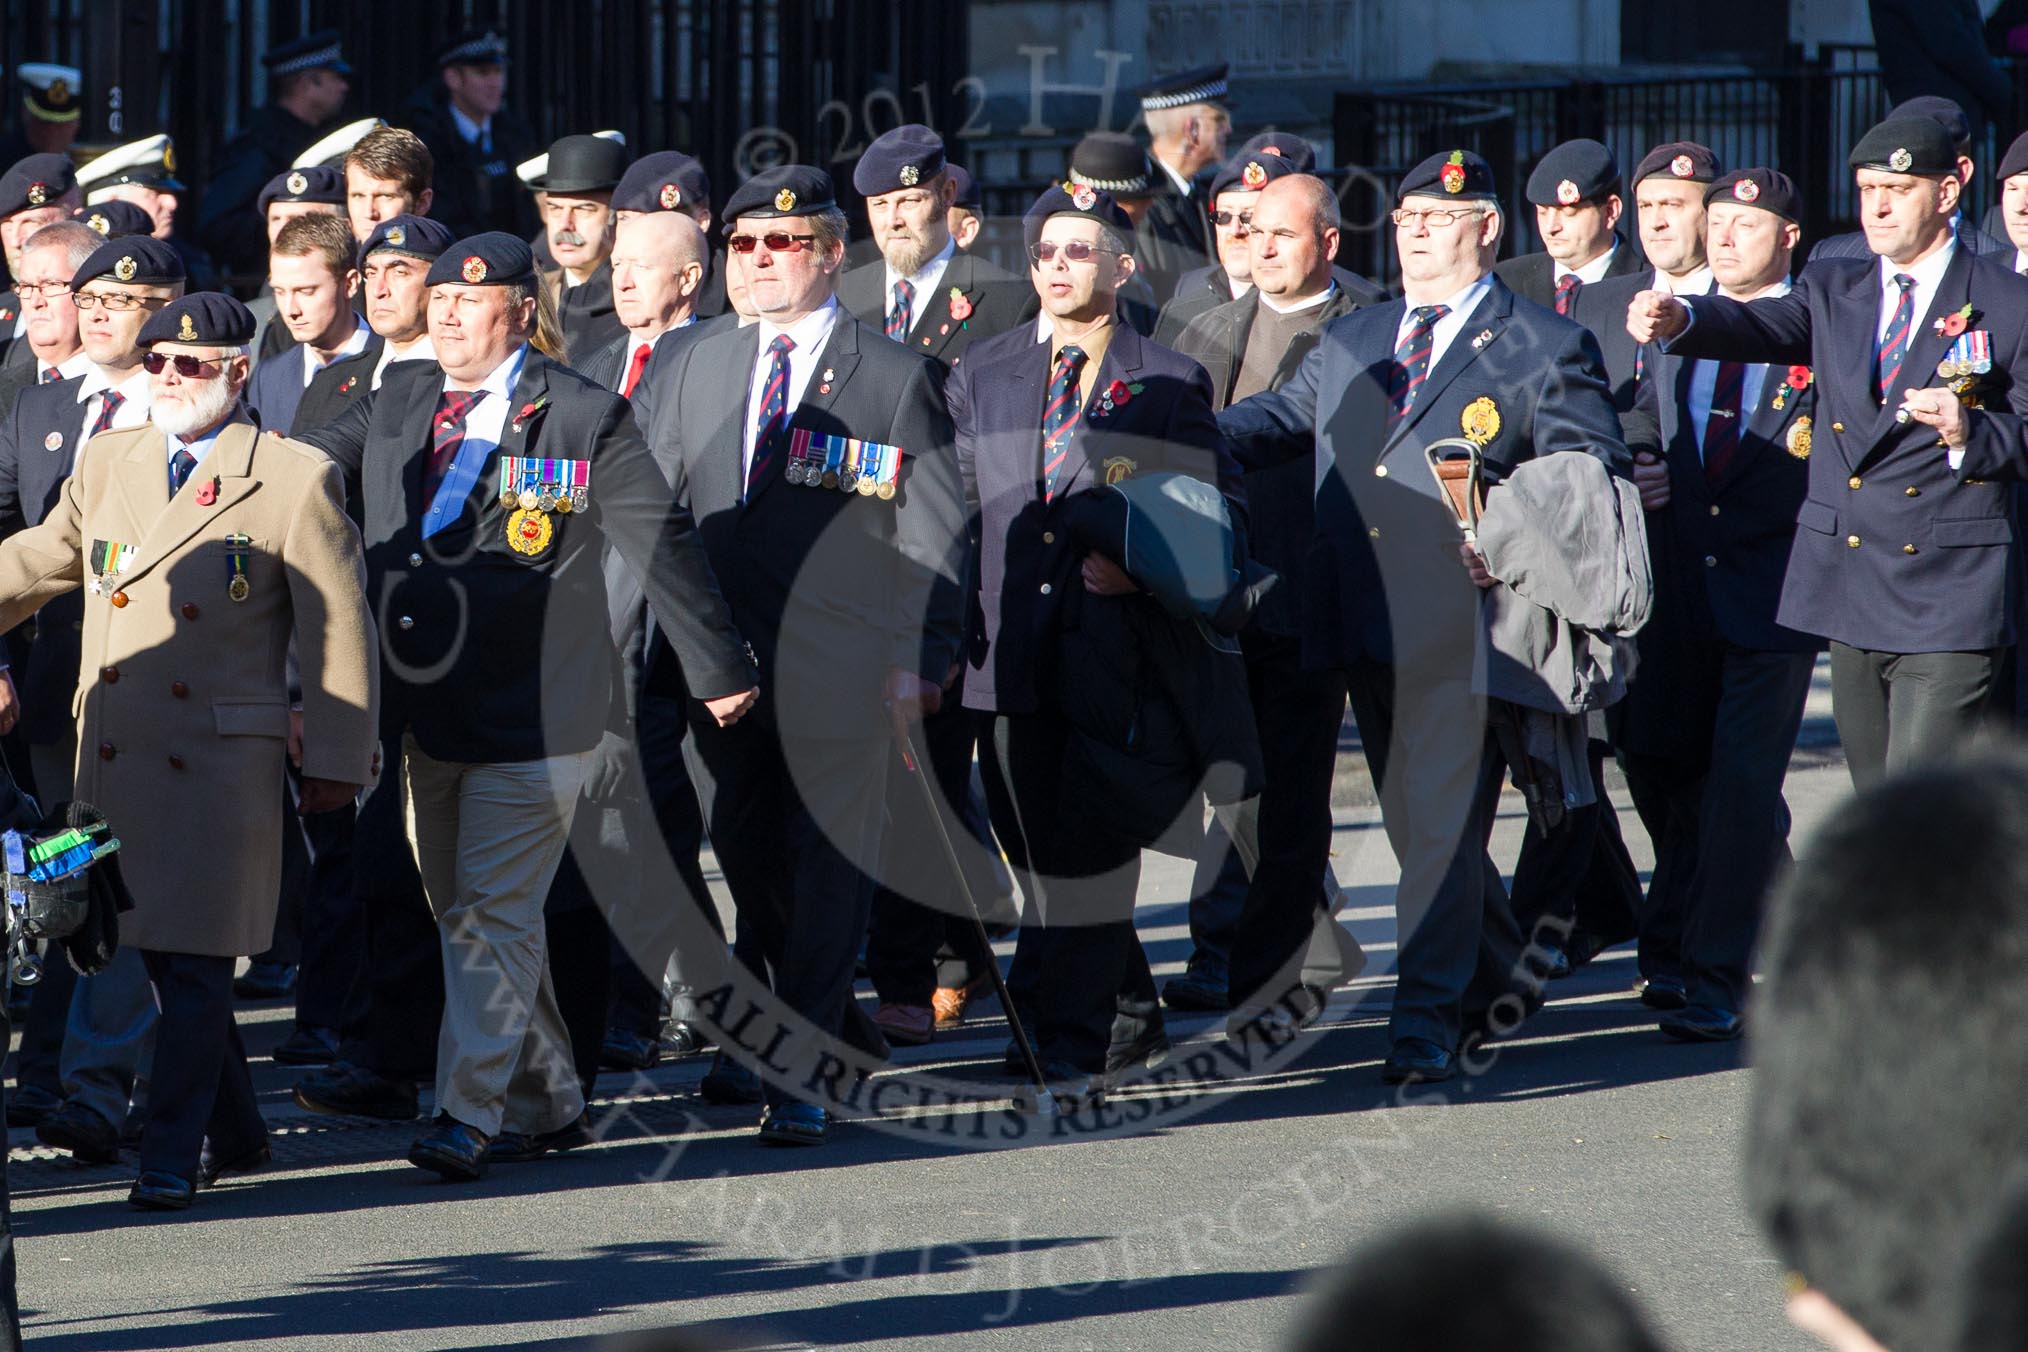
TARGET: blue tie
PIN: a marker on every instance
(772, 415)
(181, 466)
(1893, 349)
(1060, 416)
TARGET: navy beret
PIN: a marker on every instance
(1907, 145)
(1940, 110)
(785, 190)
(207, 319)
(1461, 174)
(1076, 199)
(317, 183)
(902, 158)
(475, 47)
(1684, 161)
(116, 220)
(318, 51)
(667, 180)
(494, 258)
(1576, 171)
(36, 181)
(967, 187)
(1768, 189)
(1112, 162)
(1286, 144)
(1250, 173)
(583, 164)
(140, 259)
(417, 236)
(2015, 161)
(1203, 84)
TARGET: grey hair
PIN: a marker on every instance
(78, 241)
(831, 229)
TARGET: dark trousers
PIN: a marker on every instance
(1897, 710)
(1299, 715)
(330, 983)
(918, 913)
(39, 1062)
(796, 823)
(10, 1308)
(1720, 825)
(1078, 960)
(1439, 772)
(394, 1028)
(1579, 873)
(286, 948)
(200, 1086)
(580, 953)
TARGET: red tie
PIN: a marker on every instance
(1566, 292)
(634, 369)
(447, 433)
(109, 404)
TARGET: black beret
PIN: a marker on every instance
(36, 181)
(1768, 189)
(317, 183)
(140, 259)
(207, 319)
(1076, 199)
(785, 190)
(476, 47)
(1576, 171)
(2015, 161)
(1286, 144)
(318, 51)
(1112, 162)
(494, 258)
(1907, 145)
(417, 236)
(1940, 110)
(967, 187)
(902, 158)
(1204, 84)
(1684, 161)
(1461, 174)
(116, 220)
(583, 164)
(1250, 173)
(667, 180)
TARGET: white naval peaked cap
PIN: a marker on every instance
(335, 147)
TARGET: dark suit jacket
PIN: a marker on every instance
(474, 191)
(1533, 276)
(1897, 552)
(1384, 579)
(1028, 585)
(32, 475)
(17, 373)
(997, 301)
(228, 225)
(585, 312)
(334, 388)
(1280, 499)
(1939, 47)
(1853, 245)
(831, 589)
(10, 310)
(1174, 237)
(491, 655)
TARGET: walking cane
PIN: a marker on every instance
(915, 761)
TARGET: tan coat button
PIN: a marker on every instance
(110, 675)
(190, 610)
(179, 690)
(119, 600)
(107, 751)
(1851, 542)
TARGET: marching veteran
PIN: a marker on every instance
(204, 548)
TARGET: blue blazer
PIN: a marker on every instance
(39, 441)
(1027, 573)
(1896, 551)
(1384, 581)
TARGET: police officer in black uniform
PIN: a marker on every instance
(1188, 124)
(462, 118)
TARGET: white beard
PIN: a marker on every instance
(197, 411)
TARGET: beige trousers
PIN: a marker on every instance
(488, 839)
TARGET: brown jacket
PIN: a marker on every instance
(183, 706)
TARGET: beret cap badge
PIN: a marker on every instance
(910, 176)
(1082, 196)
(125, 269)
(1567, 193)
(670, 197)
(1900, 160)
(1746, 190)
(98, 222)
(785, 200)
(298, 184)
(475, 269)
(397, 235)
(38, 193)
(1681, 166)
(1253, 176)
(1453, 173)
(188, 333)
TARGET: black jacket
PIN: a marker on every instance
(585, 312)
(39, 441)
(474, 190)
(1533, 276)
(229, 226)
(996, 300)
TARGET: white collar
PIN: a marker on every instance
(1592, 271)
(920, 281)
(467, 128)
(1698, 283)
(1927, 273)
(1464, 301)
(1301, 305)
(197, 446)
(354, 344)
(808, 333)
(500, 380)
(76, 364)
(1781, 288)
(1182, 183)
(95, 382)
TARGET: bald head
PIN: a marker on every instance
(658, 266)
(1293, 239)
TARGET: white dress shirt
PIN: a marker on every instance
(75, 365)
(1704, 379)
(924, 282)
(1593, 271)
(809, 334)
(351, 347)
(421, 350)
(2021, 260)
(1928, 276)
(634, 347)
(1698, 283)
(479, 134)
(1447, 329)
(133, 389)
(1183, 184)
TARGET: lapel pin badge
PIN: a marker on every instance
(1485, 337)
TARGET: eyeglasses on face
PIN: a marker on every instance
(1077, 251)
(117, 301)
(776, 242)
(187, 366)
(1242, 219)
(49, 290)
(1438, 217)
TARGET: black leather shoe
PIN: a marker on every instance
(1664, 992)
(213, 1166)
(1502, 1018)
(346, 1090)
(88, 1137)
(29, 1106)
(729, 1081)
(156, 1191)
(1417, 1059)
(681, 1038)
(794, 1124)
(1072, 1089)
(1583, 945)
(1703, 1023)
(518, 1147)
(624, 1050)
(1199, 988)
(1553, 960)
(265, 981)
(452, 1149)
(1299, 1007)
(308, 1046)
(1136, 1042)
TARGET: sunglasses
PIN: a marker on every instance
(776, 242)
(1241, 219)
(1076, 251)
(187, 366)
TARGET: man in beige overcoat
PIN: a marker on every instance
(205, 548)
